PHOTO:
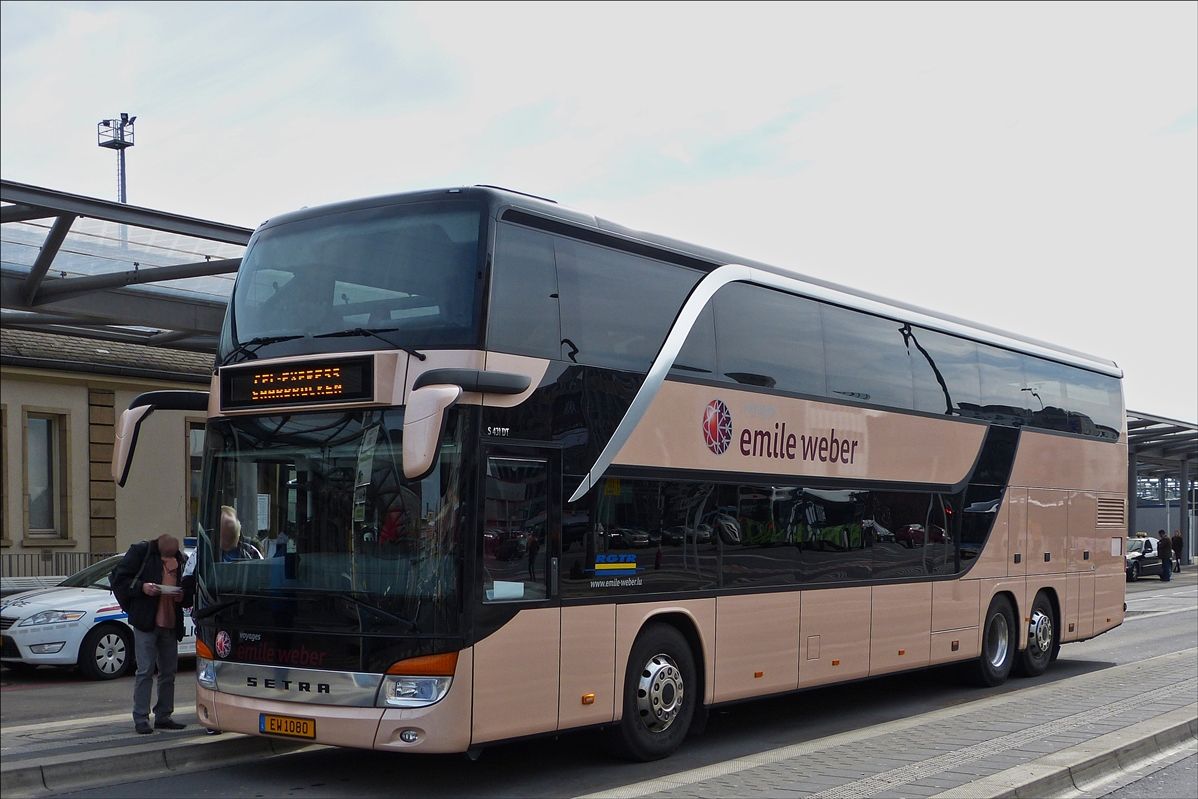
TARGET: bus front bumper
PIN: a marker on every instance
(439, 728)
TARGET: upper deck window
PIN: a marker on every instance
(408, 272)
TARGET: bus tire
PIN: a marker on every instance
(106, 653)
(661, 689)
(1042, 639)
(1000, 644)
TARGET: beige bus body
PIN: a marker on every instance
(563, 668)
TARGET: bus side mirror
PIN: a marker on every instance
(423, 424)
(129, 424)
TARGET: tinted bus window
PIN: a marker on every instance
(769, 339)
(523, 314)
(757, 526)
(697, 356)
(832, 536)
(1046, 383)
(639, 536)
(1095, 404)
(1003, 399)
(616, 308)
(867, 358)
(406, 269)
(945, 373)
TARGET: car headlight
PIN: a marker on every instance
(206, 673)
(53, 617)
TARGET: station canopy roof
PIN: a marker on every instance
(98, 269)
(1158, 444)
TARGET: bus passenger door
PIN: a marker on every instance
(518, 617)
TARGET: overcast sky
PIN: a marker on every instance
(1033, 167)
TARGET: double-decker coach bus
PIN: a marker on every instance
(517, 470)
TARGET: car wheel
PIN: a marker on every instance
(661, 690)
(106, 653)
(1042, 638)
(1135, 572)
(999, 644)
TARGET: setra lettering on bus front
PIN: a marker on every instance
(285, 685)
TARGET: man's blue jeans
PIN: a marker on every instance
(1166, 569)
(162, 649)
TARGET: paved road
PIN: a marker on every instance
(1179, 779)
(1162, 619)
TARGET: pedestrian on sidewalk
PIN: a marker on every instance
(150, 577)
(1165, 550)
(1177, 545)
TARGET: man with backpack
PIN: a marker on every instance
(148, 585)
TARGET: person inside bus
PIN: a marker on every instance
(231, 546)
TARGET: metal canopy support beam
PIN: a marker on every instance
(1187, 534)
(61, 202)
(1133, 492)
(23, 213)
(58, 234)
(62, 289)
(175, 339)
(126, 306)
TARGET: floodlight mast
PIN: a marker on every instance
(117, 134)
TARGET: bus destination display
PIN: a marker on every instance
(308, 382)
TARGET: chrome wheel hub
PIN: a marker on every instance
(659, 693)
(998, 640)
(110, 653)
(1040, 631)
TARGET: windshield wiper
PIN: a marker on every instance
(209, 610)
(257, 343)
(348, 597)
(374, 331)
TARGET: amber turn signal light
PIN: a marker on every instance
(202, 650)
(444, 665)
(588, 699)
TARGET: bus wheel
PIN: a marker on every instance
(1000, 640)
(1041, 640)
(660, 692)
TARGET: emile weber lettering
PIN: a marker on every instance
(778, 443)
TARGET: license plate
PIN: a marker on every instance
(290, 726)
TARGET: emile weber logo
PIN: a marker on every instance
(776, 442)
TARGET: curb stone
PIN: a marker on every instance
(60, 773)
(1087, 764)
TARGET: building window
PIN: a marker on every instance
(44, 466)
(195, 462)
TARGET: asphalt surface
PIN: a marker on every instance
(1161, 620)
(1178, 780)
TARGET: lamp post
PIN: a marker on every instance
(117, 134)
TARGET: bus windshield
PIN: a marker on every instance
(407, 272)
(312, 513)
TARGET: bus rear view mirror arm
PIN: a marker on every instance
(423, 424)
(129, 424)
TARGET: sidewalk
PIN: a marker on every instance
(59, 756)
(1043, 741)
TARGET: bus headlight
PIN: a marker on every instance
(418, 682)
(206, 673)
(405, 691)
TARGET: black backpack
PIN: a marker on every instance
(122, 589)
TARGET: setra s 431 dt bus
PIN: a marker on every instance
(517, 470)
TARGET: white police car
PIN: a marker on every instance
(78, 622)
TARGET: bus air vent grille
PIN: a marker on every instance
(1110, 512)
